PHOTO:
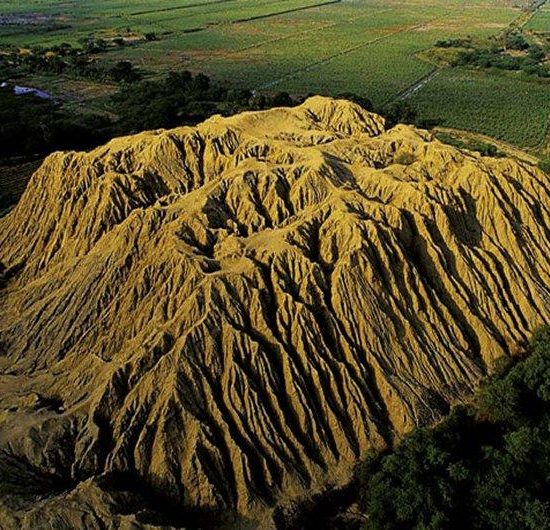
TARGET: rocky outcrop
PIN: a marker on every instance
(230, 316)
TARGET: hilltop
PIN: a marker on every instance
(206, 322)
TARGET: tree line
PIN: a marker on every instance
(512, 52)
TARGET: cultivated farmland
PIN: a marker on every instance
(373, 48)
(475, 101)
(541, 21)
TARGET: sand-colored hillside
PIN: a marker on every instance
(230, 316)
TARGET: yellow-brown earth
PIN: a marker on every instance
(228, 317)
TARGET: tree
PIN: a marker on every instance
(399, 112)
(360, 100)
(124, 71)
(281, 99)
(91, 45)
(486, 466)
(536, 53)
(515, 41)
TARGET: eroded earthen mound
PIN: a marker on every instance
(229, 316)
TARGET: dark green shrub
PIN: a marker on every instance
(487, 466)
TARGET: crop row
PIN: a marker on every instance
(502, 106)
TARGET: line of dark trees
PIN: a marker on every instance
(69, 60)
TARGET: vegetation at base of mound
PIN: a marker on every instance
(29, 124)
(484, 148)
(182, 98)
(486, 466)
(31, 127)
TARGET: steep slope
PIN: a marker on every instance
(229, 316)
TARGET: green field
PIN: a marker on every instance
(345, 45)
(541, 21)
(474, 101)
(372, 48)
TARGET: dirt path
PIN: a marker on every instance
(506, 148)
(418, 85)
(306, 32)
(525, 18)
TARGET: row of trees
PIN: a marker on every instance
(510, 52)
(494, 57)
(183, 98)
(68, 60)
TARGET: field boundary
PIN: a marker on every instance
(306, 32)
(418, 84)
(221, 23)
(278, 13)
(177, 8)
(321, 62)
(285, 37)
